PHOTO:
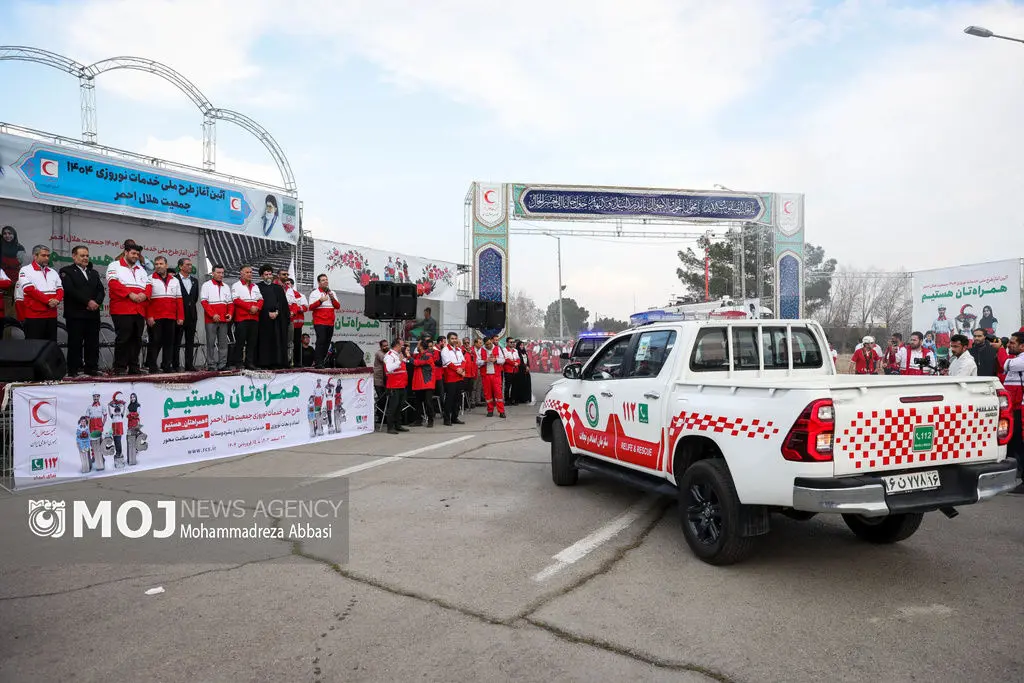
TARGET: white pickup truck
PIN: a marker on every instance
(722, 416)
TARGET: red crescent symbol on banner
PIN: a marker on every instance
(359, 386)
(236, 204)
(35, 412)
(786, 206)
(487, 196)
(47, 167)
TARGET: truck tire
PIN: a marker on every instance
(710, 513)
(563, 471)
(889, 529)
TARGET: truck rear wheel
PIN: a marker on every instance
(889, 529)
(563, 471)
(710, 512)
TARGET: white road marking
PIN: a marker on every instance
(391, 458)
(589, 544)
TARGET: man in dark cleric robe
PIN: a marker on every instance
(274, 325)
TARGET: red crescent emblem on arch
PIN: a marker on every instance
(47, 167)
(786, 207)
(487, 196)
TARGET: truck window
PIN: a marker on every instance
(744, 348)
(709, 351)
(585, 347)
(806, 352)
(609, 362)
(652, 351)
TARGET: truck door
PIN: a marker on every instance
(596, 403)
(641, 398)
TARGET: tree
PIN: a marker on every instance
(818, 271)
(525, 319)
(575, 318)
(691, 272)
(609, 325)
(893, 305)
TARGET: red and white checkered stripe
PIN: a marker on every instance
(568, 417)
(886, 438)
(698, 422)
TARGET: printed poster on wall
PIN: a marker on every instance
(958, 300)
(73, 431)
(350, 268)
(36, 171)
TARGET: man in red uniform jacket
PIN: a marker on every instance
(396, 380)
(130, 288)
(424, 379)
(323, 303)
(43, 292)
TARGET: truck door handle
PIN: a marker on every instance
(606, 394)
(652, 394)
(576, 395)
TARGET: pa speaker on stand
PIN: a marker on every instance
(31, 360)
(485, 315)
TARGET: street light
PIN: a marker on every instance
(979, 32)
(561, 288)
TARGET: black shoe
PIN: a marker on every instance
(392, 431)
(447, 423)
(457, 421)
(417, 423)
(490, 413)
(402, 429)
(189, 369)
(430, 424)
(502, 416)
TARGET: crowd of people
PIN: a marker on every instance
(453, 373)
(983, 354)
(253, 323)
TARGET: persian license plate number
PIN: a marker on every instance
(912, 481)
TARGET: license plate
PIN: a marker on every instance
(914, 481)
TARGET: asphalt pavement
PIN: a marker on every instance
(466, 563)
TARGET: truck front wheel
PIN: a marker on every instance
(889, 529)
(563, 470)
(711, 514)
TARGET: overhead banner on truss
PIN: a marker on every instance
(562, 202)
(35, 171)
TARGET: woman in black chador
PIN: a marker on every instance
(522, 387)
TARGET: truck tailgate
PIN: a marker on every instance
(914, 424)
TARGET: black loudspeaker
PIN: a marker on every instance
(495, 315)
(347, 354)
(31, 360)
(476, 314)
(405, 301)
(379, 300)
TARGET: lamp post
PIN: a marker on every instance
(561, 288)
(979, 32)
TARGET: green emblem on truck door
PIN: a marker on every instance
(592, 413)
(643, 413)
(924, 437)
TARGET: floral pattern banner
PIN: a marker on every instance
(350, 268)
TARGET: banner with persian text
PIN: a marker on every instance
(582, 202)
(350, 268)
(35, 171)
(958, 300)
(71, 431)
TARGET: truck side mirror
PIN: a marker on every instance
(572, 371)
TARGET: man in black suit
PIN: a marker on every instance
(83, 297)
(190, 297)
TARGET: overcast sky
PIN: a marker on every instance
(903, 133)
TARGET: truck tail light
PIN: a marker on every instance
(811, 437)
(1005, 428)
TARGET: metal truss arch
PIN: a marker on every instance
(211, 114)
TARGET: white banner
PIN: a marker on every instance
(351, 268)
(958, 300)
(71, 431)
(34, 171)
